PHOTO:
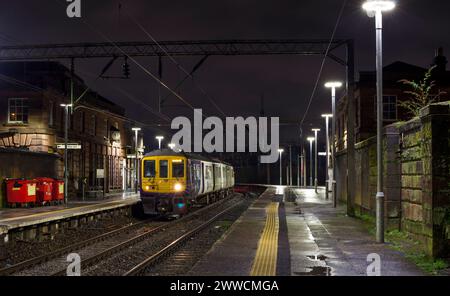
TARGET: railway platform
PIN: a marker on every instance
(299, 234)
(28, 222)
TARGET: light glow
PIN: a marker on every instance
(178, 187)
(327, 115)
(333, 84)
(378, 5)
(311, 139)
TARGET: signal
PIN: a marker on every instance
(126, 68)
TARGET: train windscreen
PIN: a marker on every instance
(177, 168)
(163, 169)
(149, 169)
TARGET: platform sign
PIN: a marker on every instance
(70, 146)
(100, 173)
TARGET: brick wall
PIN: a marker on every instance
(416, 178)
(425, 161)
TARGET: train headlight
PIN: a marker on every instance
(147, 188)
(178, 187)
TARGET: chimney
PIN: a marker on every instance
(440, 61)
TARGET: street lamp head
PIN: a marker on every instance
(311, 139)
(333, 84)
(316, 130)
(378, 5)
(159, 138)
(280, 151)
(327, 115)
(171, 145)
(136, 129)
(66, 105)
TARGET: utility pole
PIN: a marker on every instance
(136, 163)
(290, 165)
(311, 140)
(315, 130)
(375, 9)
(298, 170)
(280, 151)
(327, 175)
(66, 140)
(333, 85)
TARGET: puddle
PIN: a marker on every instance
(316, 271)
(317, 257)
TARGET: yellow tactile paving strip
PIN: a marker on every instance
(265, 262)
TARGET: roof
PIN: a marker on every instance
(37, 72)
(170, 152)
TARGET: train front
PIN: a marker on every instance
(163, 183)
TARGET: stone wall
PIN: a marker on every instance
(425, 192)
(416, 178)
(25, 164)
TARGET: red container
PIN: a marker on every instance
(44, 190)
(58, 190)
(20, 191)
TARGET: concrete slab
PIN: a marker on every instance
(19, 218)
(233, 254)
(316, 239)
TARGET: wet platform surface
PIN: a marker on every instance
(312, 239)
(23, 217)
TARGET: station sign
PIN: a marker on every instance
(100, 173)
(70, 146)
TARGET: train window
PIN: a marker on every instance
(149, 169)
(163, 168)
(177, 168)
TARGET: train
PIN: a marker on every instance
(172, 182)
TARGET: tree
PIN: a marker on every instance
(421, 94)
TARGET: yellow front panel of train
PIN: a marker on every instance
(163, 174)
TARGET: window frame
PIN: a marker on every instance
(386, 104)
(177, 163)
(154, 168)
(22, 106)
(159, 169)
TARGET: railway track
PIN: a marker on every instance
(173, 246)
(97, 248)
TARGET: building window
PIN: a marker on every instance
(94, 125)
(107, 129)
(83, 122)
(18, 110)
(389, 108)
(51, 113)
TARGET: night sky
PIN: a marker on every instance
(412, 33)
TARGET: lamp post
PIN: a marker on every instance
(375, 8)
(315, 130)
(159, 138)
(327, 175)
(301, 170)
(66, 140)
(311, 140)
(281, 170)
(333, 85)
(136, 163)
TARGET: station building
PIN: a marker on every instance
(394, 92)
(32, 124)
